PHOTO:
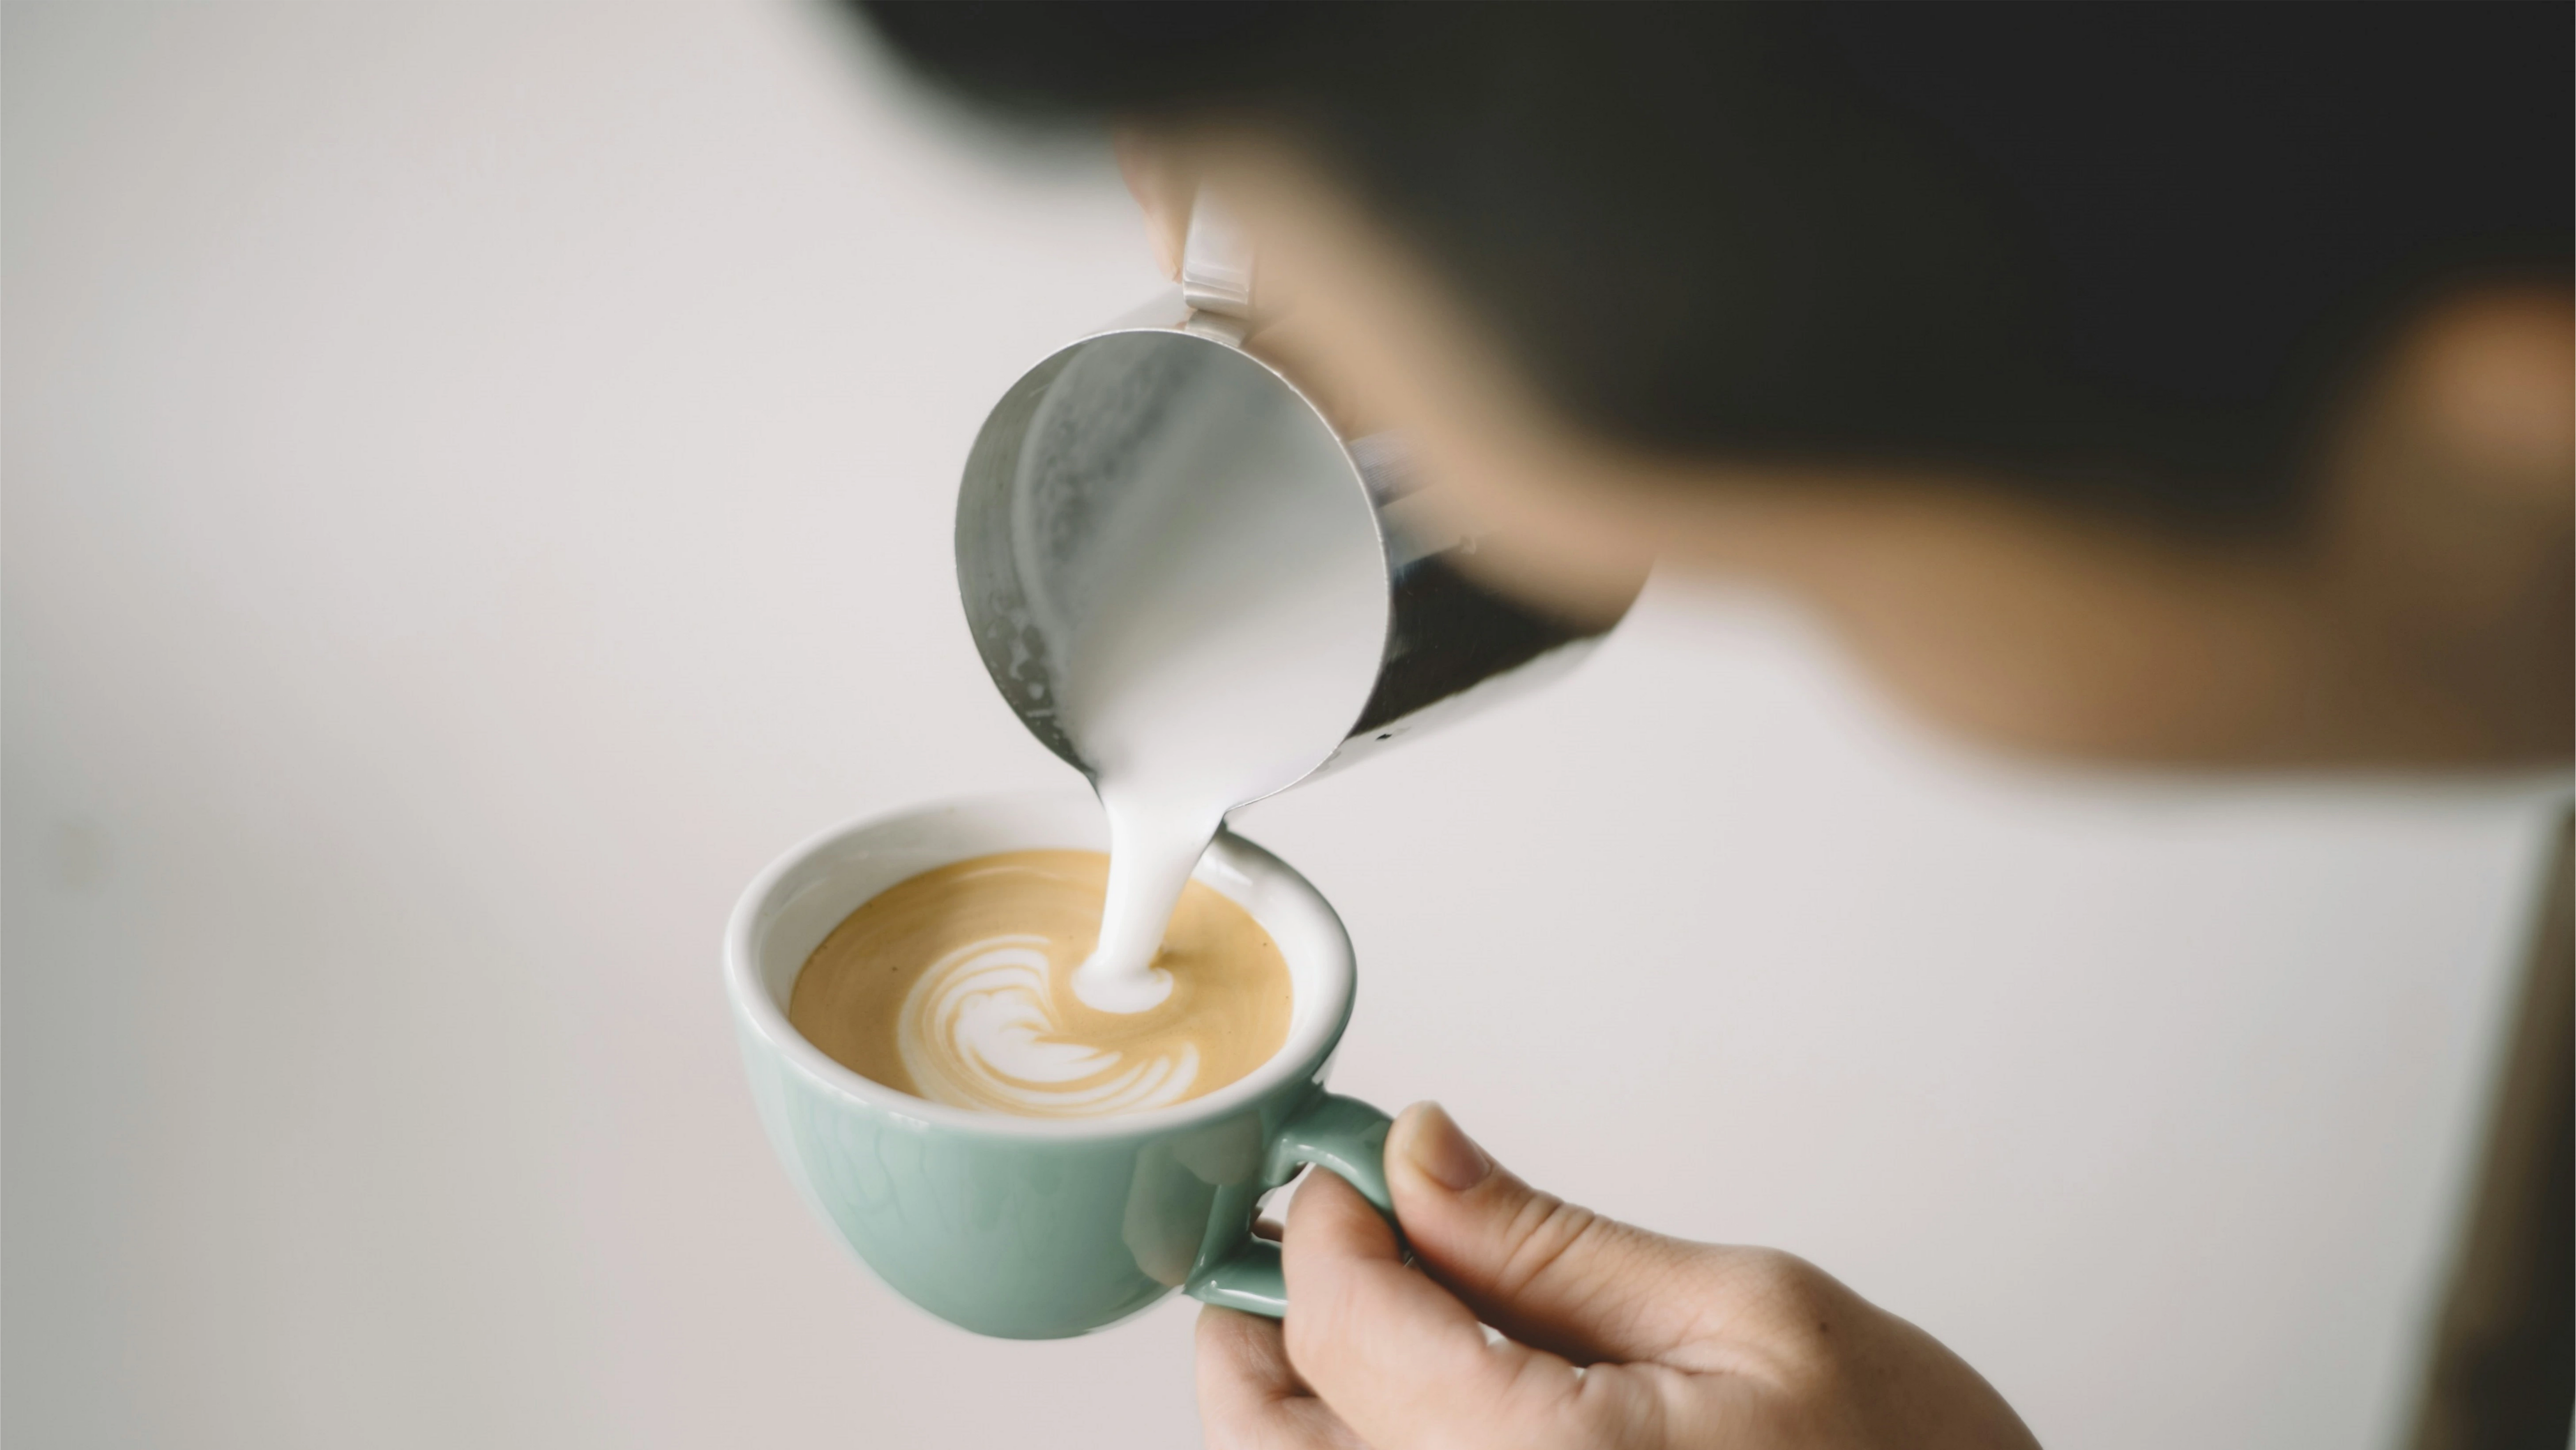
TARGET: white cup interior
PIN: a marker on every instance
(797, 902)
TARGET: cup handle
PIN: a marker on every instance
(1343, 1135)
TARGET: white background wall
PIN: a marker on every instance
(477, 486)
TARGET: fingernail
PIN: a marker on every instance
(1445, 1155)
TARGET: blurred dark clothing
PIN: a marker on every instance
(2504, 1365)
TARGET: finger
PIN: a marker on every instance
(1163, 188)
(1542, 1270)
(1243, 1362)
(1249, 1396)
(1402, 1361)
(1305, 355)
(1165, 182)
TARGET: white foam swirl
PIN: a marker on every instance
(979, 1029)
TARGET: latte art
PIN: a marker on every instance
(980, 1030)
(957, 986)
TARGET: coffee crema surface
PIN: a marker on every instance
(957, 986)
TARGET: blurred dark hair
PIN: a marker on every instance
(2120, 253)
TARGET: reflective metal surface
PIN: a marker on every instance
(1062, 442)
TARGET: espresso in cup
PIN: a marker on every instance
(1041, 1227)
(956, 985)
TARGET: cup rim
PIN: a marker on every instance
(1307, 1046)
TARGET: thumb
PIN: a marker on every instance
(1546, 1272)
(1404, 1364)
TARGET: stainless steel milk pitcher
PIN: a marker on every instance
(1066, 439)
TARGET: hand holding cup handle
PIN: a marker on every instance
(1343, 1136)
(1602, 1336)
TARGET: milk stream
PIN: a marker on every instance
(1215, 622)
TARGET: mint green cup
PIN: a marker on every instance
(1031, 1228)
